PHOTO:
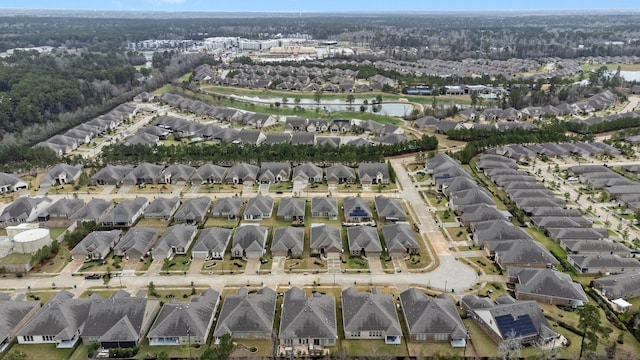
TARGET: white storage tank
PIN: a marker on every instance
(30, 241)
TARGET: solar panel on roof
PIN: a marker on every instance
(519, 326)
(358, 212)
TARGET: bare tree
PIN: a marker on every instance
(510, 347)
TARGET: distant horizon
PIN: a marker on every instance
(327, 6)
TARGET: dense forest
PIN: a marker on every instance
(43, 94)
(500, 35)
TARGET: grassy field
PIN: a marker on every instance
(178, 263)
(614, 67)
(147, 351)
(446, 216)
(486, 265)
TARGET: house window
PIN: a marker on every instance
(441, 337)
(48, 338)
(28, 338)
(421, 337)
(355, 334)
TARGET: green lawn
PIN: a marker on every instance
(306, 263)
(356, 263)
(377, 348)
(15, 258)
(42, 352)
(55, 232)
(281, 186)
(446, 216)
(457, 233)
(178, 263)
(485, 264)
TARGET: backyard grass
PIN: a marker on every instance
(264, 348)
(177, 352)
(155, 223)
(457, 233)
(41, 352)
(366, 347)
(221, 222)
(480, 343)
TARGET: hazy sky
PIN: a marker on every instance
(320, 5)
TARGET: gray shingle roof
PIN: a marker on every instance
(116, 319)
(323, 204)
(213, 239)
(93, 211)
(364, 237)
(259, 205)
(288, 238)
(307, 171)
(209, 172)
(227, 206)
(368, 171)
(274, 171)
(137, 241)
(162, 207)
(250, 237)
(96, 242)
(363, 311)
(424, 314)
(340, 172)
(399, 237)
(177, 236)
(124, 212)
(325, 237)
(193, 209)
(308, 317)
(68, 171)
(291, 207)
(177, 318)
(12, 313)
(244, 312)
(389, 208)
(63, 208)
(111, 174)
(625, 285)
(547, 282)
(244, 172)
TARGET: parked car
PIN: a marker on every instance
(93, 277)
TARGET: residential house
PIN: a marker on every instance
(177, 174)
(288, 241)
(96, 245)
(509, 320)
(370, 315)
(118, 322)
(136, 243)
(242, 174)
(292, 209)
(61, 174)
(306, 138)
(625, 285)
(251, 137)
(326, 240)
(193, 211)
(14, 314)
(328, 141)
(308, 321)
(295, 123)
(94, 210)
(180, 323)
(126, 213)
(602, 264)
(546, 286)
(247, 316)
(227, 207)
(308, 173)
(340, 174)
(249, 241)
(432, 319)
(373, 173)
(143, 174)
(209, 174)
(11, 183)
(340, 126)
(318, 125)
(110, 175)
(212, 243)
(259, 208)
(24, 209)
(400, 239)
(364, 241)
(521, 253)
(389, 209)
(357, 210)
(176, 240)
(326, 207)
(274, 172)
(162, 208)
(61, 209)
(60, 321)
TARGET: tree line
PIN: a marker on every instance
(229, 153)
(480, 140)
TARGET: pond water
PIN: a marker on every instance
(333, 105)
